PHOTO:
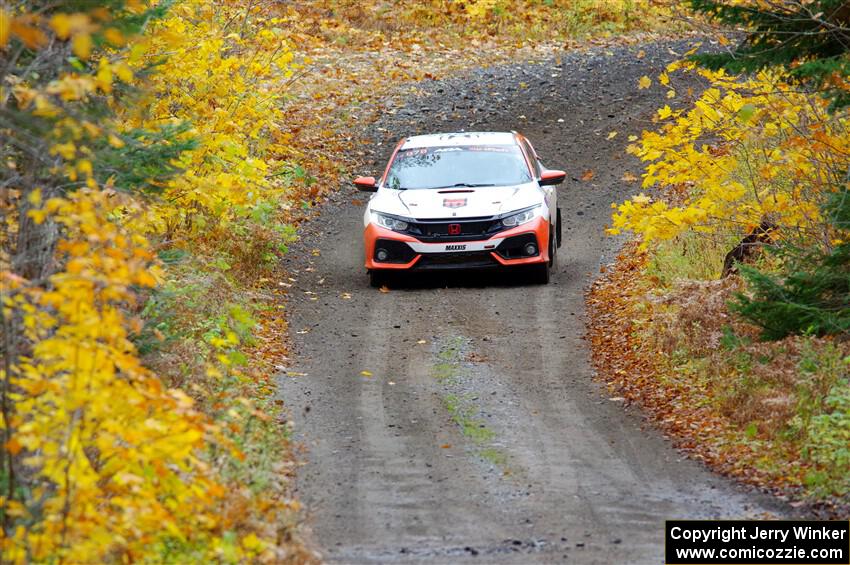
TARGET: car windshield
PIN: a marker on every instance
(442, 167)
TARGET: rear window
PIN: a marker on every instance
(472, 165)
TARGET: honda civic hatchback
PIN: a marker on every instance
(470, 200)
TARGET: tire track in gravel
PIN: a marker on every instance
(480, 435)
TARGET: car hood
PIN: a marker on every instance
(456, 202)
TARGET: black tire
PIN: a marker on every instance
(542, 273)
(553, 253)
(558, 232)
(377, 279)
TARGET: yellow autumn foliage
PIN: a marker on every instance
(508, 21)
(220, 67)
(748, 150)
(125, 468)
(118, 455)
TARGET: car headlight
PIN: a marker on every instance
(389, 222)
(521, 217)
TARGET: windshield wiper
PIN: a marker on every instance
(467, 185)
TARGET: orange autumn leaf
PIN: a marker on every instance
(30, 35)
(13, 446)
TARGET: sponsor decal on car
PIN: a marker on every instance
(454, 202)
(456, 247)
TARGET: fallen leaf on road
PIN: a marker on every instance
(628, 177)
(612, 135)
(446, 445)
(346, 295)
(384, 288)
(366, 373)
(644, 82)
(641, 54)
(588, 175)
(421, 341)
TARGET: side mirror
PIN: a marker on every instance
(550, 177)
(366, 184)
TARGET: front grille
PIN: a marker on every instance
(469, 260)
(471, 229)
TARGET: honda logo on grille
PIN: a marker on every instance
(454, 229)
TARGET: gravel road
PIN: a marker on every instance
(480, 435)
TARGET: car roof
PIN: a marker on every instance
(460, 138)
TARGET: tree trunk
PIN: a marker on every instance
(36, 243)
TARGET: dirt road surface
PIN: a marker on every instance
(478, 434)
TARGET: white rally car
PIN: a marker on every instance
(462, 201)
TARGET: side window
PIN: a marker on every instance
(532, 156)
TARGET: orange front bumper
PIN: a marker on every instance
(539, 227)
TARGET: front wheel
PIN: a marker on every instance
(542, 273)
(553, 253)
(377, 279)
(558, 228)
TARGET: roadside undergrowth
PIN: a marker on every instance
(728, 317)
(762, 412)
